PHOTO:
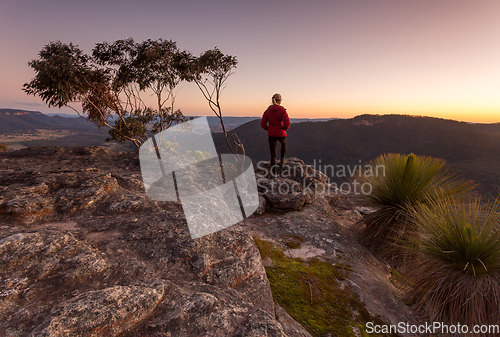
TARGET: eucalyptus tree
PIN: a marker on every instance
(111, 84)
(210, 72)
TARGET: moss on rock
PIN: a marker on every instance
(313, 294)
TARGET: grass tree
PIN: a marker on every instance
(404, 182)
(456, 272)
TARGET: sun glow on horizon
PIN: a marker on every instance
(333, 59)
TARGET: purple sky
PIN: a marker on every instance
(327, 58)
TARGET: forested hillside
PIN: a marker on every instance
(471, 149)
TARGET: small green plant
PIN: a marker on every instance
(400, 183)
(456, 270)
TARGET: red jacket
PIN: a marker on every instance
(275, 120)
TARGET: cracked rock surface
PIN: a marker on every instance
(84, 252)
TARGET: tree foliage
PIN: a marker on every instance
(64, 75)
(111, 83)
(210, 71)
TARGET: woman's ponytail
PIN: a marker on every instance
(276, 99)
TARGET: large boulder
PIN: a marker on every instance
(106, 312)
(293, 185)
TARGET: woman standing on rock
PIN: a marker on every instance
(275, 121)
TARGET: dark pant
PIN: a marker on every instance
(273, 146)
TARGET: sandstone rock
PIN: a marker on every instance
(36, 256)
(27, 208)
(198, 309)
(262, 206)
(90, 150)
(41, 188)
(230, 259)
(106, 313)
(327, 234)
(125, 203)
(295, 185)
(130, 182)
(84, 252)
(282, 193)
(92, 278)
(38, 268)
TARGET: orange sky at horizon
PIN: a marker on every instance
(327, 58)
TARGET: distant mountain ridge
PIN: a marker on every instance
(25, 120)
(20, 128)
(18, 112)
(231, 122)
(472, 149)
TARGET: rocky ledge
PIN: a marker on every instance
(84, 252)
(294, 185)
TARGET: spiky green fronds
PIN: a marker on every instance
(399, 183)
(456, 272)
